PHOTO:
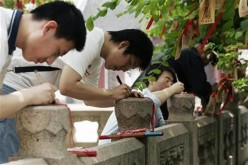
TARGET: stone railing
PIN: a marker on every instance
(186, 140)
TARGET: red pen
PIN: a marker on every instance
(128, 135)
(82, 152)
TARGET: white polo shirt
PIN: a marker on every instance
(9, 20)
(87, 63)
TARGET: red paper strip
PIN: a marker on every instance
(211, 30)
(149, 24)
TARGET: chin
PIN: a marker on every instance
(28, 59)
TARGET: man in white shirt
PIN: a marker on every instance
(120, 50)
(158, 91)
(49, 31)
(86, 65)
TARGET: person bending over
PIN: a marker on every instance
(159, 91)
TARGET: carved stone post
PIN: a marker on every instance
(181, 107)
(133, 113)
(42, 131)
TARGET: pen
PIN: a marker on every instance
(129, 135)
(118, 79)
(81, 152)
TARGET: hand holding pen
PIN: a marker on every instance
(43, 93)
(132, 93)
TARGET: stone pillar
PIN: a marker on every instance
(133, 113)
(43, 131)
(181, 106)
(201, 129)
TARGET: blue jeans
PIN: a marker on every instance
(9, 139)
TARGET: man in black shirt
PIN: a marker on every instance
(189, 68)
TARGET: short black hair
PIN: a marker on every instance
(71, 24)
(139, 44)
(163, 68)
(146, 73)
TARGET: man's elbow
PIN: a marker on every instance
(65, 90)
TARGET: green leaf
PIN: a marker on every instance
(90, 24)
(161, 2)
(134, 2)
(103, 11)
(228, 25)
(246, 36)
(151, 78)
(153, 5)
(154, 71)
(238, 34)
(244, 24)
(228, 14)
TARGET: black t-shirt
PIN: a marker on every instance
(190, 71)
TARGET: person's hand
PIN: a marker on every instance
(177, 87)
(120, 92)
(136, 94)
(40, 94)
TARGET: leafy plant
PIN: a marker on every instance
(167, 20)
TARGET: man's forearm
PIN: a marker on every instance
(164, 94)
(12, 103)
(83, 91)
(101, 104)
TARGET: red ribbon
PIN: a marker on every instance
(131, 131)
(211, 30)
(229, 97)
(149, 24)
(19, 4)
(188, 23)
(70, 114)
(152, 119)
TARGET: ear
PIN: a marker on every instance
(123, 44)
(50, 25)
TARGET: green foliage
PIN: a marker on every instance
(230, 34)
(241, 85)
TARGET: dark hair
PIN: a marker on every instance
(212, 57)
(139, 44)
(145, 73)
(71, 25)
(163, 68)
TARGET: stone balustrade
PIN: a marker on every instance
(187, 140)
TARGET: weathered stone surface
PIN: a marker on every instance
(30, 161)
(226, 137)
(207, 140)
(242, 139)
(93, 114)
(181, 106)
(171, 148)
(202, 135)
(43, 131)
(133, 113)
(122, 152)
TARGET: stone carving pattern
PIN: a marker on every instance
(173, 155)
(206, 150)
(244, 134)
(228, 139)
